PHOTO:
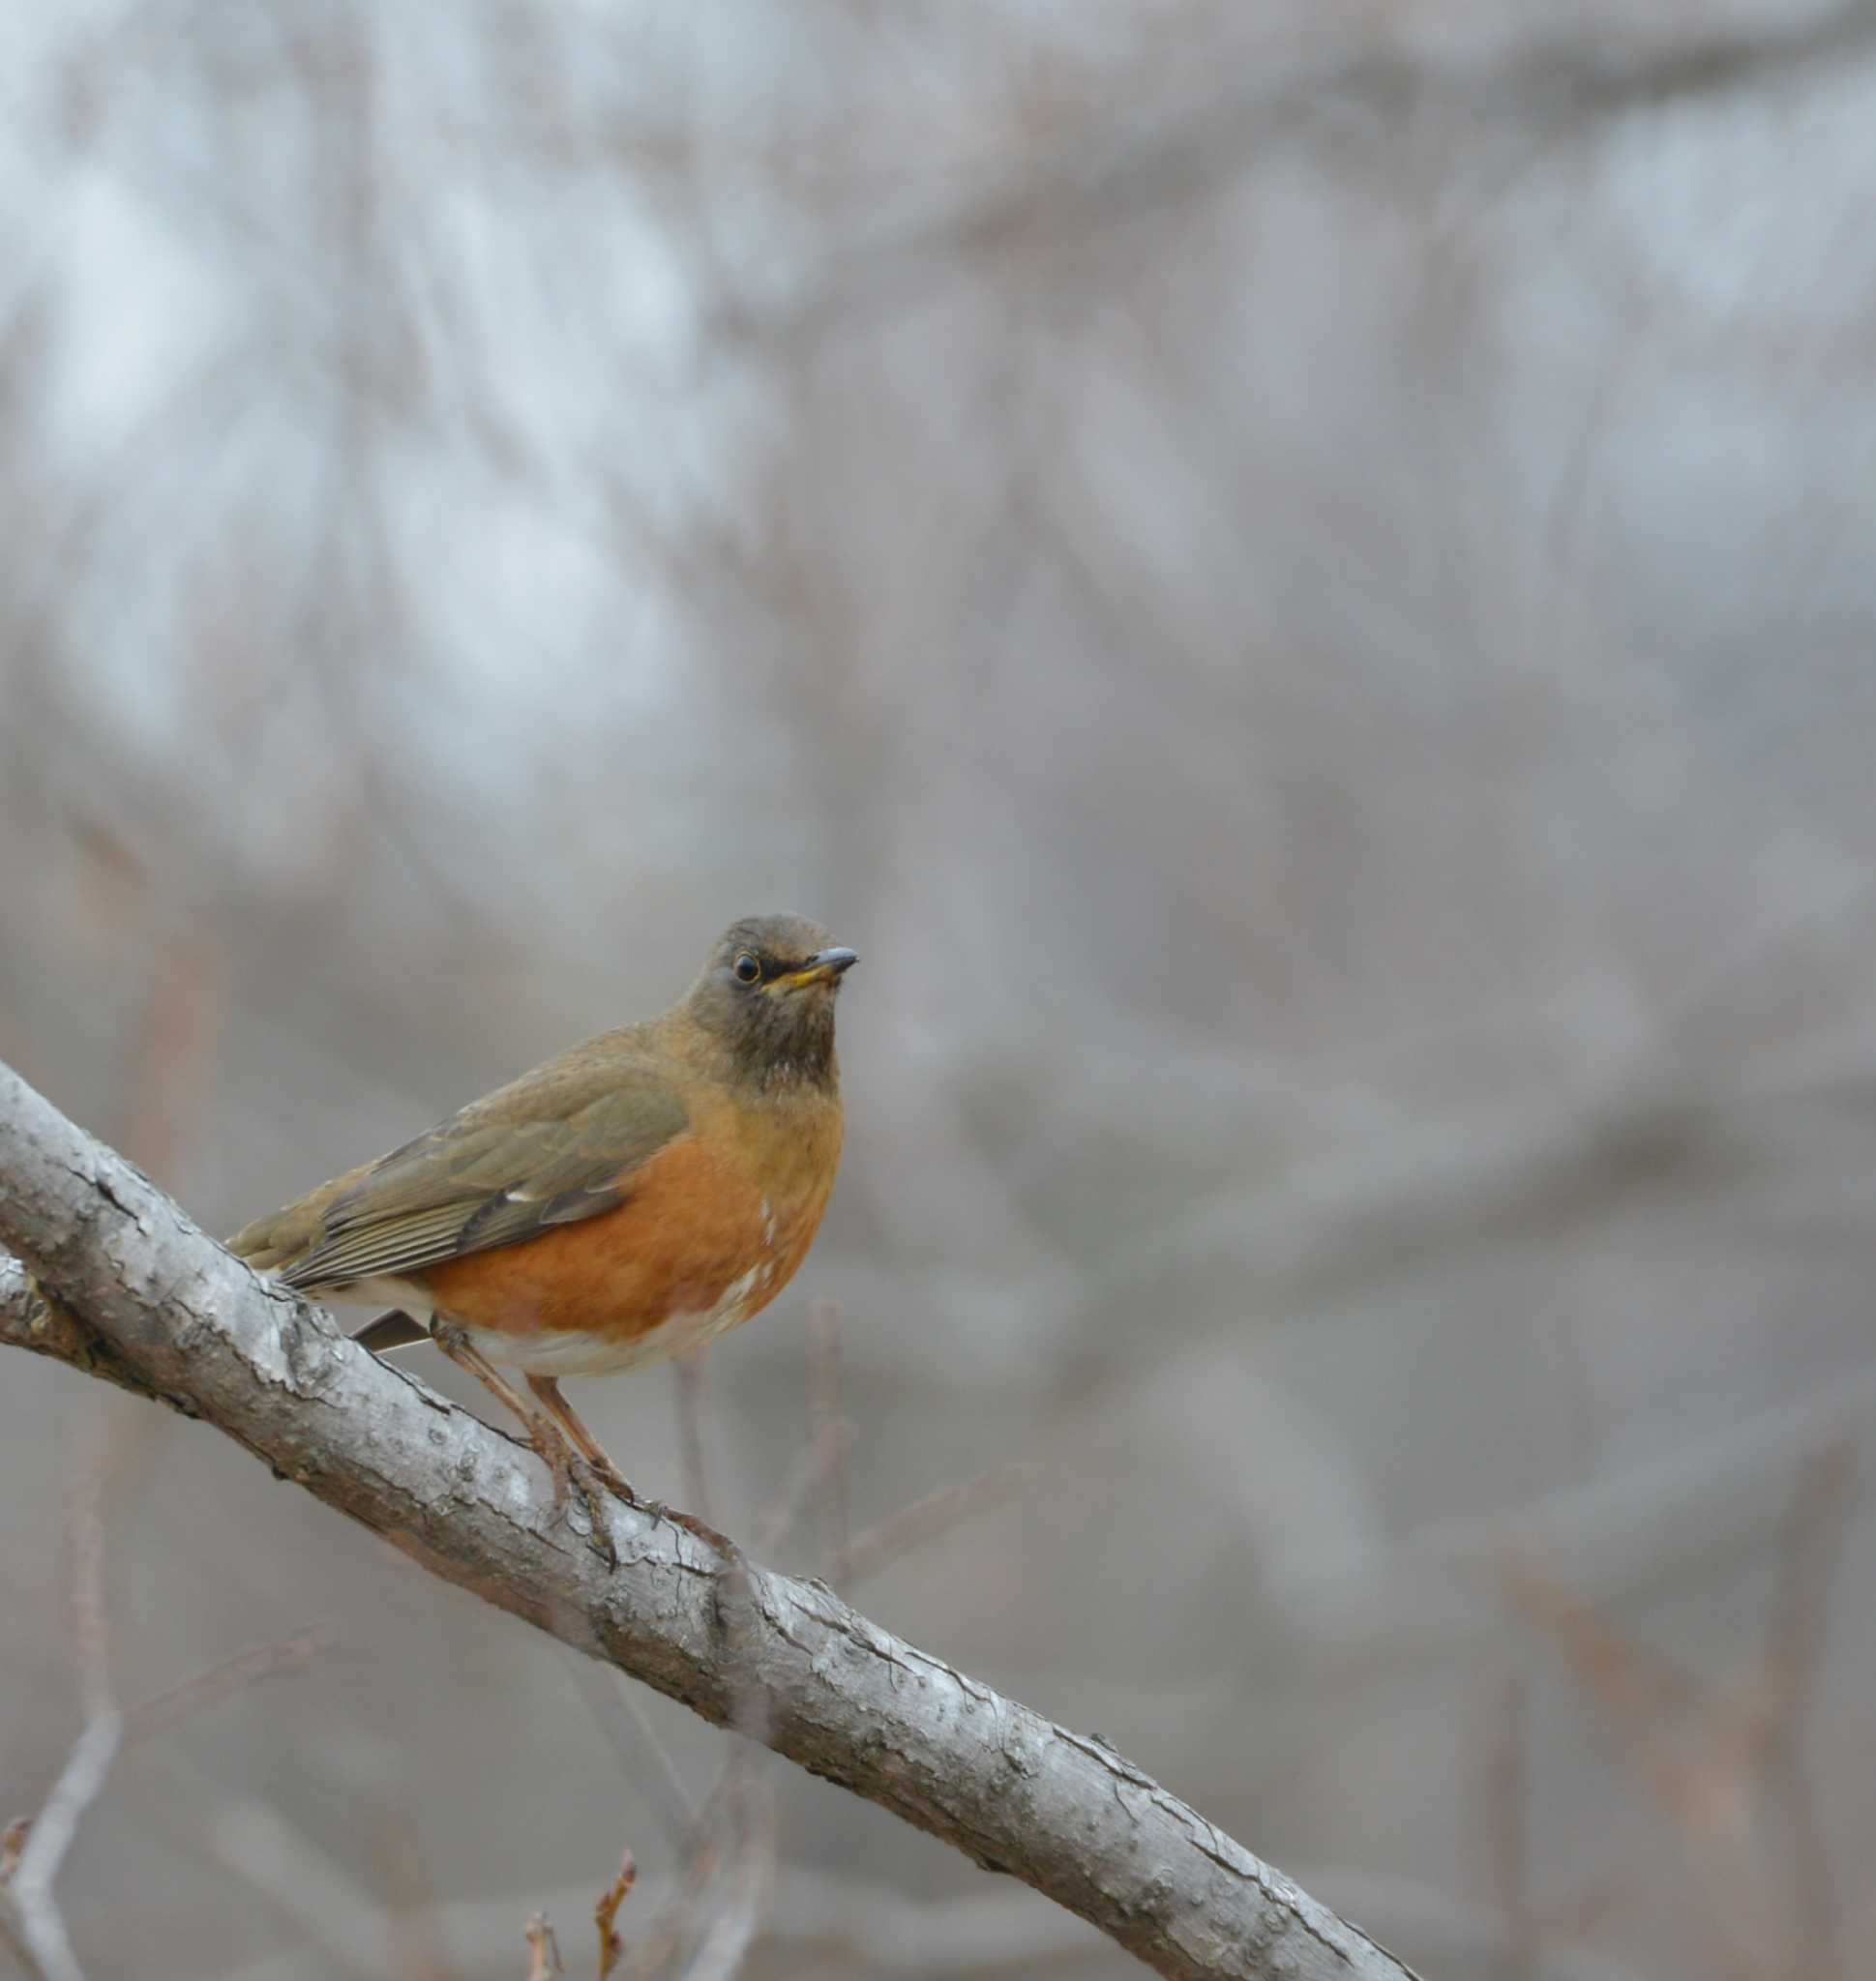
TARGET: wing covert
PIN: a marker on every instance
(478, 1181)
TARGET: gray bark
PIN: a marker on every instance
(145, 1299)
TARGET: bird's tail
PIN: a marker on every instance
(392, 1330)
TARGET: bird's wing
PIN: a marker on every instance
(504, 1170)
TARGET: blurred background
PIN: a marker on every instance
(1298, 580)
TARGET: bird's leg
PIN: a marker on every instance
(561, 1456)
(548, 1390)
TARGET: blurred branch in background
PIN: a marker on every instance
(50, 1834)
(1716, 1757)
(35, 1847)
(1302, 579)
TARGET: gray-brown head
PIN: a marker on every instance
(765, 996)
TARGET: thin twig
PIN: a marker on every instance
(1792, 1659)
(290, 1872)
(1502, 1803)
(182, 1702)
(827, 1410)
(887, 1539)
(705, 1933)
(614, 1703)
(815, 1464)
(732, 1919)
(544, 1950)
(692, 1372)
(606, 1913)
(1690, 1747)
(56, 1828)
(88, 1765)
(172, 1060)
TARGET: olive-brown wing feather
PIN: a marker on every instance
(479, 1181)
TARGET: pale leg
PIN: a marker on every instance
(559, 1444)
(562, 1412)
(547, 1391)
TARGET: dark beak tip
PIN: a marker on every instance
(838, 961)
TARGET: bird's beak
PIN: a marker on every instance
(824, 967)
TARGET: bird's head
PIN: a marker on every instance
(765, 994)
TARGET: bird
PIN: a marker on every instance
(631, 1199)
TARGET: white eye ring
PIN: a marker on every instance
(747, 969)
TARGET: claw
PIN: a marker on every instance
(613, 1480)
(559, 1449)
(571, 1474)
(591, 1492)
(707, 1533)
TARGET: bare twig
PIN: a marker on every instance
(705, 1931)
(1791, 1660)
(886, 1540)
(13, 1841)
(544, 1950)
(814, 1465)
(32, 1851)
(1633, 1683)
(606, 1913)
(709, 1926)
(826, 1412)
(1813, 1542)
(170, 1060)
(732, 1861)
(319, 1900)
(1707, 1752)
(735, 1905)
(51, 1833)
(614, 1704)
(692, 1374)
(150, 1302)
(165, 1709)
(1503, 1844)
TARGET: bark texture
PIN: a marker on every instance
(142, 1297)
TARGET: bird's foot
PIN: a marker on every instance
(613, 1479)
(571, 1473)
(702, 1530)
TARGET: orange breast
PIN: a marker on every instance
(713, 1225)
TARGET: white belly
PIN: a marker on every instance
(572, 1353)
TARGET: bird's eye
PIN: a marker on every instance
(747, 969)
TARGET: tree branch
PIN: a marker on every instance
(142, 1297)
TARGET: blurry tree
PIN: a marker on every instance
(1299, 579)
